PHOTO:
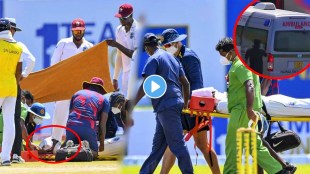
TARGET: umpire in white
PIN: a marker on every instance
(29, 60)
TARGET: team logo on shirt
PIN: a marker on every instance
(42, 111)
(292, 103)
(84, 48)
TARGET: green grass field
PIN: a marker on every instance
(108, 167)
(301, 169)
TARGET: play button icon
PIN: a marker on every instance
(154, 86)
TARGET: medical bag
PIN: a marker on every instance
(206, 104)
(283, 139)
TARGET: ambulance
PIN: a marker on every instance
(283, 35)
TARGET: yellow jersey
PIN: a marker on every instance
(10, 54)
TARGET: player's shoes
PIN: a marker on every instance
(85, 144)
(17, 159)
(291, 167)
(6, 163)
(69, 143)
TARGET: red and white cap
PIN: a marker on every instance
(124, 11)
(78, 24)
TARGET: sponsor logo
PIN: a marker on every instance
(277, 144)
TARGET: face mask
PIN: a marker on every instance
(172, 49)
(115, 110)
(224, 61)
(38, 120)
(227, 57)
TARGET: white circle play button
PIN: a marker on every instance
(154, 86)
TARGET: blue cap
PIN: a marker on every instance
(4, 24)
(171, 35)
(150, 38)
(38, 109)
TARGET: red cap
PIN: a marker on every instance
(78, 24)
(124, 11)
(97, 82)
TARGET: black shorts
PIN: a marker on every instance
(188, 122)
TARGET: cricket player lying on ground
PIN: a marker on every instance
(276, 105)
(86, 107)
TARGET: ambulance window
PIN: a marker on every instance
(292, 41)
(250, 34)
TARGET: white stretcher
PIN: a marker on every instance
(279, 107)
(273, 118)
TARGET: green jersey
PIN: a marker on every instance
(238, 75)
(22, 116)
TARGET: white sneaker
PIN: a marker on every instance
(69, 143)
(6, 163)
(17, 159)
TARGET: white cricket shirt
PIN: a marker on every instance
(129, 40)
(66, 48)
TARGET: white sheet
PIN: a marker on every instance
(210, 92)
(113, 146)
(277, 105)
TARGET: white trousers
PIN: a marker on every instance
(125, 81)
(61, 114)
(133, 86)
(8, 110)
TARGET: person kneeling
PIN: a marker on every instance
(85, 107)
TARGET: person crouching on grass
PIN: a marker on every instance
(35, 116)
(86, 106)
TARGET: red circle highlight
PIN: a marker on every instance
(51, 126)
(242, 60)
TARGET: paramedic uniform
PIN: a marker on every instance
(10, 56)
(192, 68)
(65, 49)
(111, 126)
(129, 40)
(168, 109)
(238, 75)
(86, 106)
